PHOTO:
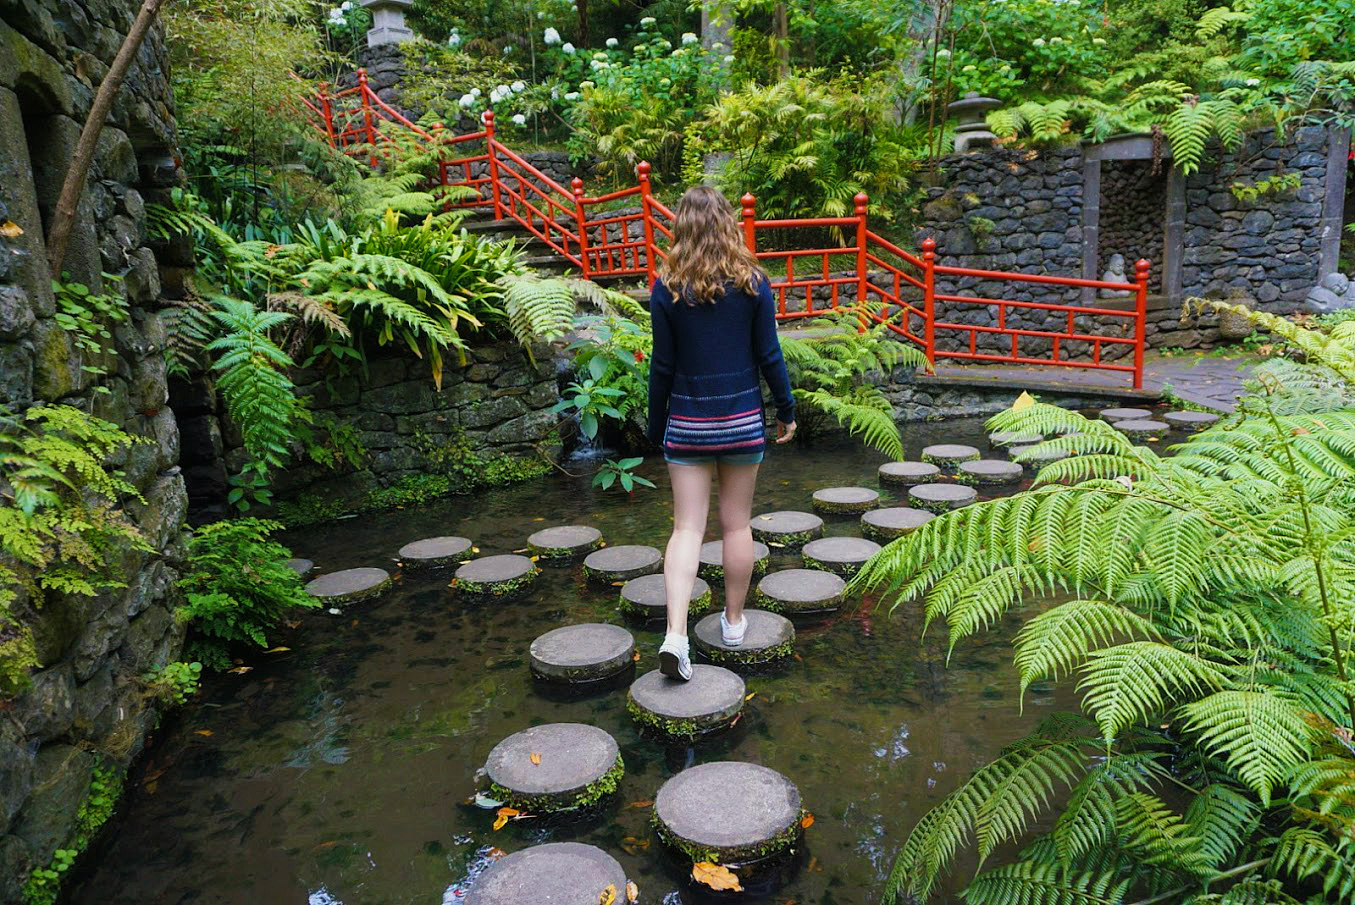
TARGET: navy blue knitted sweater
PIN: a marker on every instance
(704, 397)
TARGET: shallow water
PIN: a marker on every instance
(339, 771)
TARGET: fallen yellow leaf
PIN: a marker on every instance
(240, 670)
(632, 892)
(632, 845)
(10, 230)
(505, 815)
(1023, 402)
(641, 804)
(608, 896)
(205, 733)
(535, 758)
(750, 696)
(277, 650)
(806, 821)
(715, 876)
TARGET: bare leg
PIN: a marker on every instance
(737, 484)
(691, 505)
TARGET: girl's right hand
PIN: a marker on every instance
(784, 431)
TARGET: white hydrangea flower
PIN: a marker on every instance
(519, 119)
(943, 52)
(1038, 42)
(612, 42)
(541, 14)
(1098, 40)
(969, 68)
(599, 65)
(475, 92)
(346, 5)
(647, 22)
(599, 56)
(453, 40)
(1252, 83)
(587, 84)
(729, 58)
(507, 49)
(518, 86)
(567, 47)
(665, 82)
(573, 96)
(1056, 40)
(468, 100)
(554, 93)
(552, 36)
(689, 38)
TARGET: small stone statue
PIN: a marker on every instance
(1336, 291)
(1114, 274)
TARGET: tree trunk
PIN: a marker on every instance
(717, 19)
(781, 39)
(924, 35)
(68, 202)
(583, 23)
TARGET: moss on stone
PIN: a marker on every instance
(845, 569)
(949, 463)
(745, 856)
(748, 657)
(686, 729)
(793, 540)
(839, 507)
(700, 606)
(507, 589)
(772, 605)
(575, 799)
(715, 573)
(563, 555)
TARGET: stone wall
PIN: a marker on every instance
(1133, 213)
(86, 701)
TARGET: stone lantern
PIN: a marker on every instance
(971, 130)
(388, 22)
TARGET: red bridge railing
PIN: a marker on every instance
(892, 286)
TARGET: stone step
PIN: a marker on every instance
(681, 711)
(732, 813)
(554, 872)
(581, 654)
(554, 767)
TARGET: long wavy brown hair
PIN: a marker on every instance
(708, 252)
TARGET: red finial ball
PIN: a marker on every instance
(362, 73)
(1141, 266)
(929, 246)
(488, 116)
(748, 201)
(577, 185)
(861, 199)
(643, 169)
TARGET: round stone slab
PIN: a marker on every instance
(942, 497)
(786, 530)
(712, 566)
(302, 567)
(948, 455)
(768, 637)
(349, 586)
(622, 563)
(706, 703)
(505, 576)
(736, 811)
(1013, 438)
(564, 544)
(796, 591)
(991, 471)
(883, 525)
(558, 872)
(906, 474)
(582, 653)
(1113, 415)
(845, 500)
(1142, 428)
(840, 555)
(646, 597)
(1035, 461)
(1190, 420)
(578, 764)
(435, 551)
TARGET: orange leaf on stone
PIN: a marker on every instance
(535, 758)
(716, 876)
(608, 896)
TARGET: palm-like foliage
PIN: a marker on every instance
(831, 368)
(1205, 603)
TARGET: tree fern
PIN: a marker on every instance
(1259, 735)
(1029, 883)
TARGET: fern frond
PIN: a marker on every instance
(1259, 735)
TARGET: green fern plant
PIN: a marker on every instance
(1205, 604)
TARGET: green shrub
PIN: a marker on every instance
(237, 588)
(105, 788)
(173, 683)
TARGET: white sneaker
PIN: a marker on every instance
(674, 660)
(732, 635)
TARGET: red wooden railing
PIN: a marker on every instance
(891, 285)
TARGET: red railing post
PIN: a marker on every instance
(576, 184)
(1141, 268)
(929, 300)
(368, 125)
(646, 219)
(493, 164)
(749, 204)
(862, 271)
(327, 111)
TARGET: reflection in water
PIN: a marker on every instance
(343, 771)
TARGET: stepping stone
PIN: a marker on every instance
(1142, 429)
(554, 767)
(302, 567)
(554, 872)
(906, 474)
(621, 563)
(949, 455)
(845, 500)
(786, 530)
(435, 551)
(942, 497)
(793, 592)
(1013, 438)
(840, 555)
(884, 525)
(1190, 421)
(1036, 460)
(712, 566)
(991, 471)
(349, 585)
(729, 812)
(769, 637)
(564, 545)
(583, 653)
(1113, 415)
(646, 598)
(500, 577)
(707, 703)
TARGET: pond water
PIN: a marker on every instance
(339, 771)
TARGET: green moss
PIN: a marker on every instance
(499, 590)
(586, 797)
(949, 463)
(698, 607)
(772, 605)
(781, 843)
(749, 657)
(105, 788)
(792, 541)
(687, 729)
(828, 507)
(563, 555)
(845, 569)
(715, 574)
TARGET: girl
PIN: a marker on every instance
(714, 330)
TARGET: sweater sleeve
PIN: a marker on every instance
(767, 353)
(661, 361)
